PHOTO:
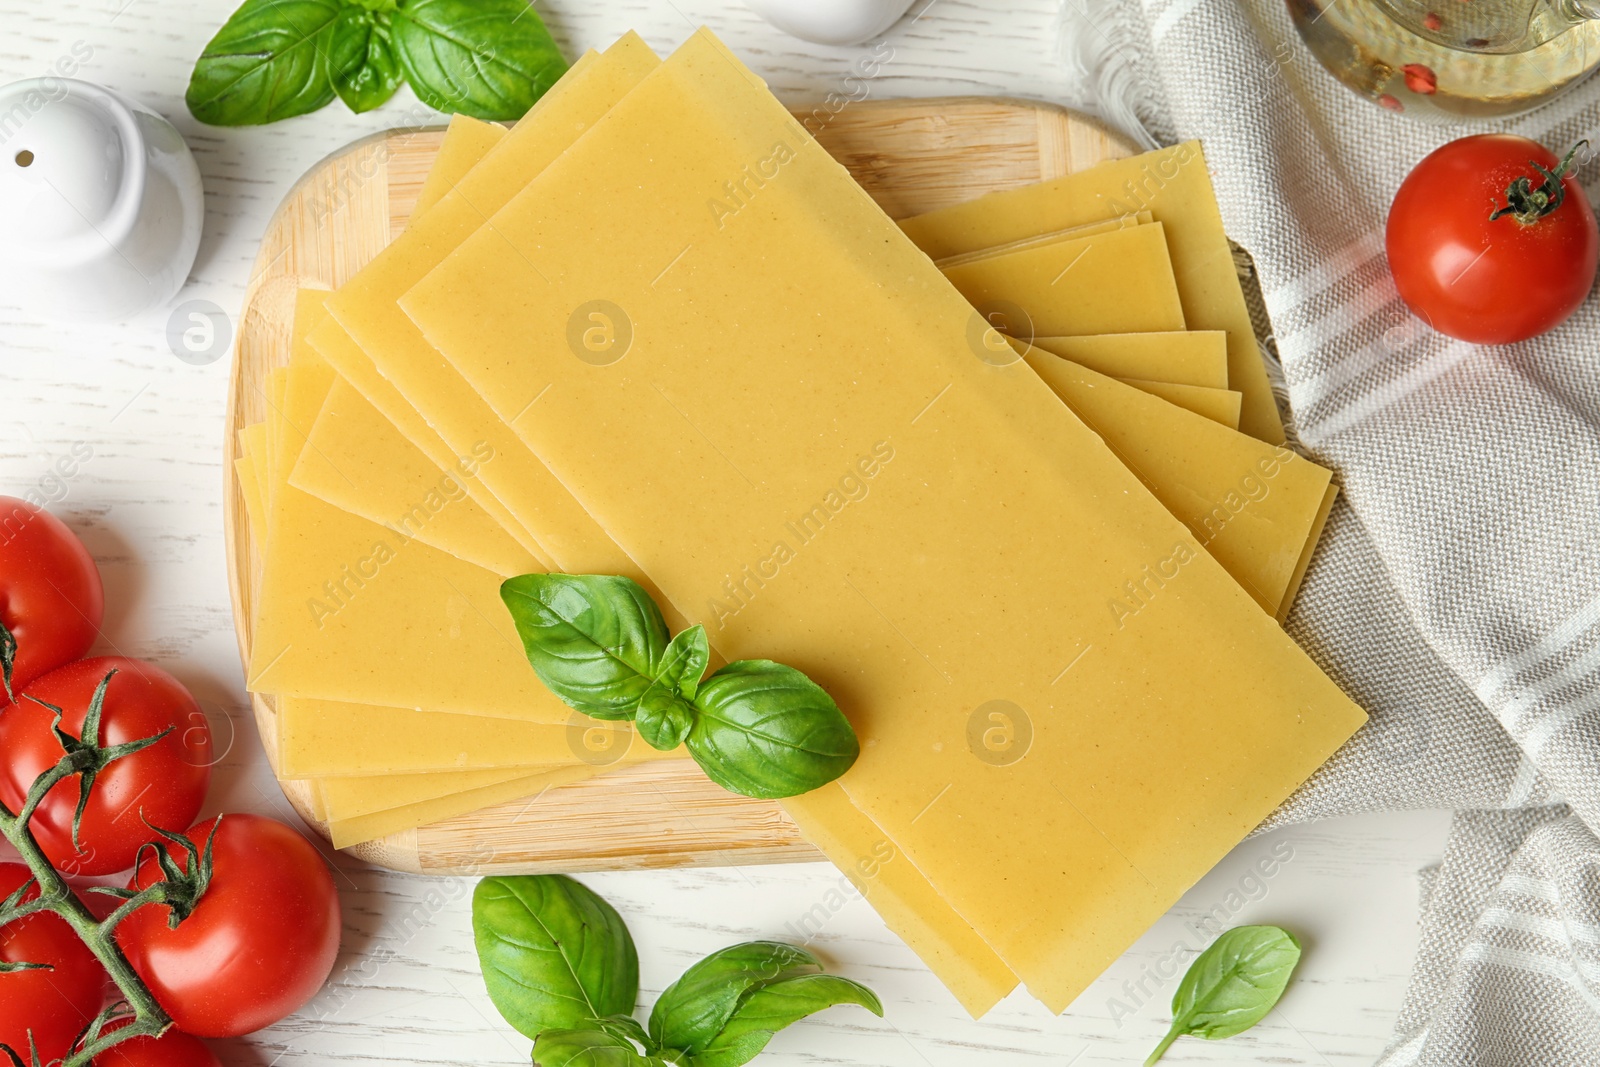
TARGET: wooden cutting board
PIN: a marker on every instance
(912, 156)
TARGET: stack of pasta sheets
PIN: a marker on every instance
(1006, 479)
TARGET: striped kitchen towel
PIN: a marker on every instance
(1509, 960)
(1457, 595)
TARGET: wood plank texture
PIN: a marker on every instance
(910, 155)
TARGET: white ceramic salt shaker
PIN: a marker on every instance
(832, 21)
(100, 202)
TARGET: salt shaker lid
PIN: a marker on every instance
(71, 170)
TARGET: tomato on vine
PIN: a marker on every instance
(1492, 240)
(51, 599)
(57, 1000)
(162, 785)
(257, 929)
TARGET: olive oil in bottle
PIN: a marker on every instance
(1448, 60)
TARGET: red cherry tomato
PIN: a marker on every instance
(172, 1049)
(258, 946)
(55, 1004)
(164, 784)
(50, 594)
(1490, 281)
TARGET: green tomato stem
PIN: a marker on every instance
(149, 1020)
(8, 659)
(1527, 203)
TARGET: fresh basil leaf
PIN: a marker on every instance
(347, 46)
(665, 714)
(587, 1048)
(269, 61)
(596, 641)
(684, 663)
(774, 1006)
(664, 718)
(365, 70)
(1232, 985)
(625, 1026)
(554, 955)
(696, 1007)
(491, 59)
(766, 730)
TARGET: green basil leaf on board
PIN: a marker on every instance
(755, 727)
(1232, 985)
(770, 1008)
(596, 641)
(491, 59)
(365, 70)
(269, 61)
(695, 1008)
(665, 714)
(765, 730)
(664, 718)
(554, 955)
(684, 663)
(588, 1048)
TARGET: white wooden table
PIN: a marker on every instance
(406, 989)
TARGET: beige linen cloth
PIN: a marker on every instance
(1457, 593)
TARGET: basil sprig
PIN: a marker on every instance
(755, 727)
(560, 966)
(1232, 985)
(275, 59)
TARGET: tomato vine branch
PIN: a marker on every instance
(55, 895)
